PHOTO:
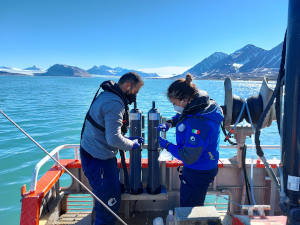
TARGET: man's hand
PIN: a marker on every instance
(136, 146)
(139, 140)
(164, 127)
(163, 143)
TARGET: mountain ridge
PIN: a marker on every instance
(117, 71)
(71, 71)
(66, 70)
(248, 62)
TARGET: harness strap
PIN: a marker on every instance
(94, 123)
(88, 114)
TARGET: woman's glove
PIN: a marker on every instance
(164, 143)
(164, 127)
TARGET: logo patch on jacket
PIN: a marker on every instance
(181, 127)
(194, 131)
(200, 132)
(112, 201)
(193, 140)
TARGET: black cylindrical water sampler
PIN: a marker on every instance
(135, 130)
(153, 186)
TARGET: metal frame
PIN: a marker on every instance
(54, 152)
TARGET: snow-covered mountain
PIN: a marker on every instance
(65, 70)
(266, 59)
(17, 71)
(101, 70)
(117, 71)
(249, 62)
(33, 68)
(208, 63)
(73, 71)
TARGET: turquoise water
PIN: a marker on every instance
(51, 110)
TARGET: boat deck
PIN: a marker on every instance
(145, 218)
(79, 208)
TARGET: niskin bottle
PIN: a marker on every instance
(135, 130)
(153, 186)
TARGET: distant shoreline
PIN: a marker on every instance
(168, 78)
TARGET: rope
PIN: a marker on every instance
(225, 134)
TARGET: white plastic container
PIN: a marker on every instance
(158, 221)
(170, 218)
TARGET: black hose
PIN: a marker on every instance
(244, 151)
(278, 109)
(276, 92)
(281, 75)
(126, 177)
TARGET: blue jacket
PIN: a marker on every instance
(197, 134)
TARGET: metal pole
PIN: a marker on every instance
(291, 118)
(85, 187)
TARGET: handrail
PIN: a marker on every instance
(76, 153)
(145, 146)
(251, 146)
(47, 157)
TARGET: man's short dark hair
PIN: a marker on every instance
(131, 77)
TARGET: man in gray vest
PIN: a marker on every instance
(102, 135)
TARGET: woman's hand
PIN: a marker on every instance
(163, 143)
(164, 127)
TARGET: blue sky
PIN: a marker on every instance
(165, 36)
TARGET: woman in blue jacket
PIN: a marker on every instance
(197, 123)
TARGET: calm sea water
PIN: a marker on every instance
(51, 110)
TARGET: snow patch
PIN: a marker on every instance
(166, 71)
(237, 66)
(19, 71)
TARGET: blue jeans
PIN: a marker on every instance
(194, 185)
(103, 176)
